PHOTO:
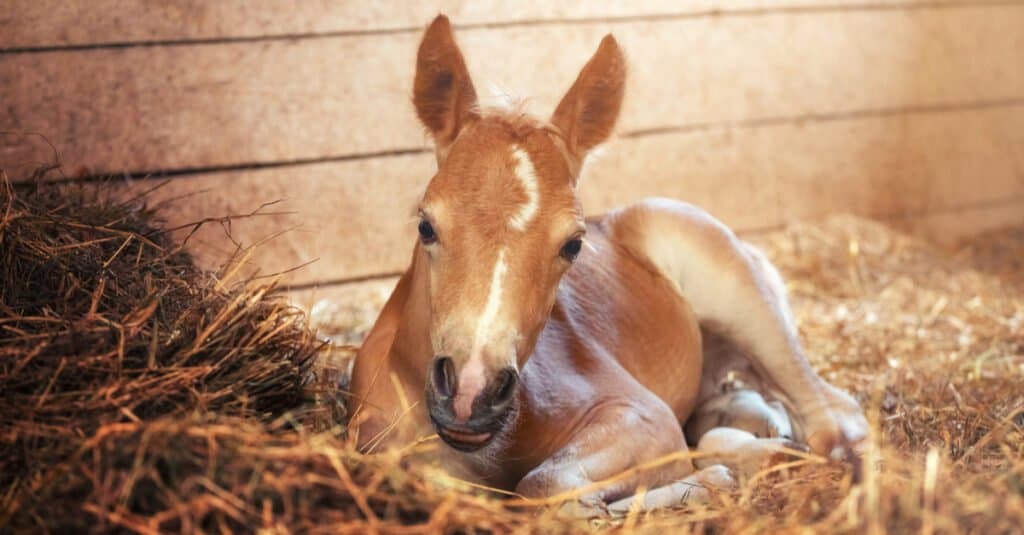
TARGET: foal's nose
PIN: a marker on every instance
(468, 397)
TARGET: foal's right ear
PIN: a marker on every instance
(443, 92)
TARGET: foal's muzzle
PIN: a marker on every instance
(492, 408)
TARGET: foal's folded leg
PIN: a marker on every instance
(693, 489)
(740, 408)
(742, 451)
(616, 440)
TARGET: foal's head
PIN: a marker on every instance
(500, 223)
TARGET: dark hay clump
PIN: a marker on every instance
(227, 474)
(105, 321)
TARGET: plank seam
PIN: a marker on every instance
(817, 117)
(743, 124)
(809, 9)
(187, 172)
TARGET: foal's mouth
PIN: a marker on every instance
(468, 438)
(463, 440)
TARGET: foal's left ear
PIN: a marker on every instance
(443, 92)
(587, 113)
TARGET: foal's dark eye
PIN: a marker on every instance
(427, 234)
(571, 249)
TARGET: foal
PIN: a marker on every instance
(550, 351)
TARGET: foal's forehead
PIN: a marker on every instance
(505, 170)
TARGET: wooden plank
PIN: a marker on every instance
(227, 104)
(357, 216)
(52, 23)
(777, 174)
(348, 218)
(952, 226)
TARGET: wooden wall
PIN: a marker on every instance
(762, 111)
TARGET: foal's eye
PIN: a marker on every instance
(571, 249)
(427, 234)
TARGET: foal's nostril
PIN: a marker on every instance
(443, 376)
(506, 387)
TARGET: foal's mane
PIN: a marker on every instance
(512, 116)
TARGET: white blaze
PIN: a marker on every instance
(483, 326)
(527, 175)
(471, 379)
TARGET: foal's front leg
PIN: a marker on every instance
(615, 439)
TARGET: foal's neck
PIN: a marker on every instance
(411, 350)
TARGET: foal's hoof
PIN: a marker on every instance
(696, 489)
(838, 430)
(718, 477)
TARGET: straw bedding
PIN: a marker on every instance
(144, 395)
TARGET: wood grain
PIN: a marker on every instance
(54, 23)
(159, 108)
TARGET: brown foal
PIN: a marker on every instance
(549, 351)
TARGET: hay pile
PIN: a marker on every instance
(143, 395)
(110, 336)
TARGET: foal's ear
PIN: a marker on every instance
(587, 113)
(443, 93)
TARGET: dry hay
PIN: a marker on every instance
(144, 395)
